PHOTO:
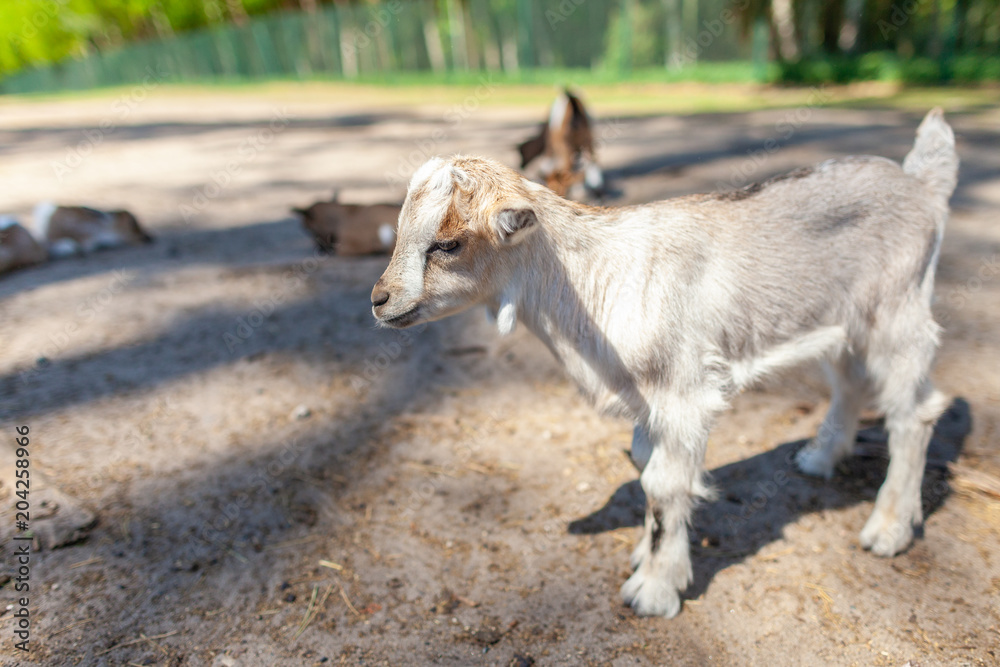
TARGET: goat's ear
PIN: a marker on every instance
(513, 224)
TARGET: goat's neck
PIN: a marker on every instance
(560, 273)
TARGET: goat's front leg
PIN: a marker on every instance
(671, 479)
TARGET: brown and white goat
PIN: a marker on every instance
(566, 145)
(18, 248)
(663, 312)
(351, 229)
(70, 230)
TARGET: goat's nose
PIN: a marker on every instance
(379, 297)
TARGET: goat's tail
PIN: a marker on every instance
(933, 159)
(934, 163)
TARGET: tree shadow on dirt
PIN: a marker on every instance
(758, 151)
(120, 131)
(219, 531)
(761, 495)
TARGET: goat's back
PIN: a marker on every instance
(838, 244)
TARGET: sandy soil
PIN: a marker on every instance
(278, 483)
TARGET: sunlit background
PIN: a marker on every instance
(239, 469)
(48, 45)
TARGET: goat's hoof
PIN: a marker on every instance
(650, 596)
(640, 552)
(815, 461)
(884, 537)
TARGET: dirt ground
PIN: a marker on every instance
(279, 483)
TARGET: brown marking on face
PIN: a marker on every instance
(452, 224)
(468, 273)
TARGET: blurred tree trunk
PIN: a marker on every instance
(783, 19)
(806, 18)
(348, 46)
(237, 12)
(672, 12)
(934, 45)
(456, 30)
(848, 39)
(833, 22)
(314, 41)
(472, 46)
(873, 30)
(690, 18)
(161, 22)
(959, 19)
(432, 38)
(487, 42)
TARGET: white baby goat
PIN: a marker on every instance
(662, 312)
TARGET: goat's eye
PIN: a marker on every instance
(445, 246)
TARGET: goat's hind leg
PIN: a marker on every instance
(671, 480)
(835, 439)
(911, 406)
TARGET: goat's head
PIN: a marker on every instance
(128, 228)
(323, 220)
(460, 229)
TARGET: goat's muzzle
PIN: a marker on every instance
(392, 314)
(379, 296)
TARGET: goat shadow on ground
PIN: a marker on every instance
(759, 496)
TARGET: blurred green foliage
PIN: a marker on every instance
(34, 32)
(107, 42)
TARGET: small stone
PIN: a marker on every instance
(290, 597)
(487, 635)
(301, 412)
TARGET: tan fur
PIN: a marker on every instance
(566, 144)
(561, 181)
(91, 229)
(350, 229)
(18, 248)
